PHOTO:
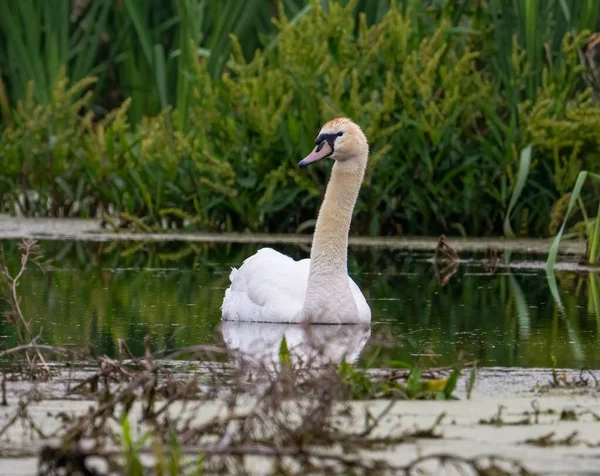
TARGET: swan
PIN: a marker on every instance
(272, 287)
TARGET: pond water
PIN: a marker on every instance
(97, 293)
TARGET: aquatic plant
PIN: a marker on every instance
(592, 227)
(416, 383)
(85, 167)
(296, 416)
(528, 38)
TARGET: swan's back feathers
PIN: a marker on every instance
(268, 287)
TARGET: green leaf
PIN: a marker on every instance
(575, 193)
(134, 8)
(161, 75)
(524, 165)
(451, 382)
(398, 364)
(413, 383)
(284, 354)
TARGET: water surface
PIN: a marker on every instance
(98, 292)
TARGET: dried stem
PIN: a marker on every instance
(30, 252)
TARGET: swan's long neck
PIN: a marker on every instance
(329, 252)
(328, 295)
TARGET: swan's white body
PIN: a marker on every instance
(271, 287)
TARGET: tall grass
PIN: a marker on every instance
(173, 37)
(38, 38)
(140, 49)
(538, 28)
(592, 226)
(529, 38)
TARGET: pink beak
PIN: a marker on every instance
(320, 152)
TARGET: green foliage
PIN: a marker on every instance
(234, 125)
(284, 355)
(362, 385)
(451, 382)
(39, 38)
(167, 458)
(143, 49)
(593, 228)
(470, 383)
(528, 36)
(524, 165)
(81, 167)
(416, 98)
(448, 95)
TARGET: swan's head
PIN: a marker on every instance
(342, 140)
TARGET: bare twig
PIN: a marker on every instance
(30, 252)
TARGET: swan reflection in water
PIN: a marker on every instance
(259, 343)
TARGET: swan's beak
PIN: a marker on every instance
(321, 151)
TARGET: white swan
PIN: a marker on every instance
(272, 287)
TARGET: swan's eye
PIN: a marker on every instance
(340, 134)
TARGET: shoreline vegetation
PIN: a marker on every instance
(480, 116)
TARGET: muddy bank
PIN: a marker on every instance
(91, 230)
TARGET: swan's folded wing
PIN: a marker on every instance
(364, 311)
(268, 287)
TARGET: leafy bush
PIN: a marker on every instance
(419, 101)
(445, 132)
(78, 167)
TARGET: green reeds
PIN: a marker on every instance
(447, 95)
(39, 38)
(593, 228)
(523, 172)
(538, 26)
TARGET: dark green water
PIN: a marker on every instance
(98, 293)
